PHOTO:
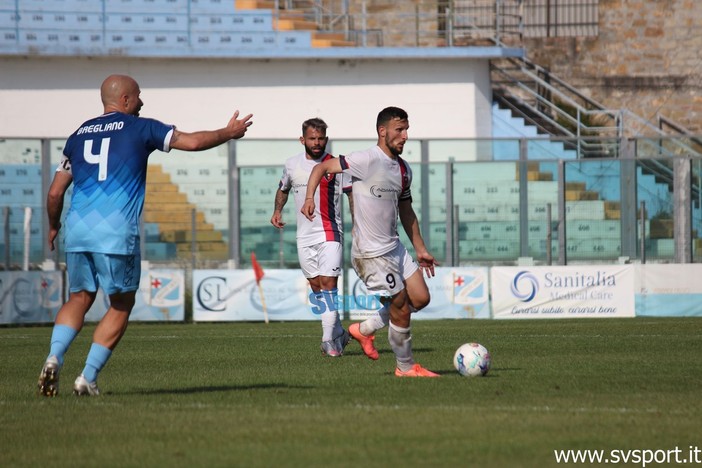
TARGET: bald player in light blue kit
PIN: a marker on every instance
(106, 160)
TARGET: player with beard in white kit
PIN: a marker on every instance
(319, 241)
(381, 182)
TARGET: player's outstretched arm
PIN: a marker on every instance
(330, 166)
(206, 139)
(281, 198)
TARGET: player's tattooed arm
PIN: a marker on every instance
(281, 198)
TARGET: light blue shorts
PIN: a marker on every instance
(113, 273)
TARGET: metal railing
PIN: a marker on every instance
(446, 23)
(557, 108)
(422, 24)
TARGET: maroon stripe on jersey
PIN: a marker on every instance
(327, 209)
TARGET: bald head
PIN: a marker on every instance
(120, 93)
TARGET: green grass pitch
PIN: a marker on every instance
(256, 395)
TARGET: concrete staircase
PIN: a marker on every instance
(507, 125)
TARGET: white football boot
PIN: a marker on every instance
(82, 387)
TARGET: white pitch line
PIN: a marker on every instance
(396, 407)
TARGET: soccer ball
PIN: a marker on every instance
(472, 360)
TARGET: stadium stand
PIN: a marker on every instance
(487, 194)
(169, 215)
(155, 26)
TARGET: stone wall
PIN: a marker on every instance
(392, 23)
(647, 58)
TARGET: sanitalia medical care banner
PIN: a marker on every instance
(234, 295)
(562, 291)
(30, 296)
(669, 290)
(160, 298)
(456, 293)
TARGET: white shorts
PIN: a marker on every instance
(323, 259)
(387, 272)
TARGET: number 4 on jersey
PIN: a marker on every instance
(99, 159)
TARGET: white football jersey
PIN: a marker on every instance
(379, 182)
(326, 225)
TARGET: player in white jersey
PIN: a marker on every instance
(319, 241)
(381, 187)
(106, 161)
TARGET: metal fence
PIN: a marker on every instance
(447, 22)
(483, 201)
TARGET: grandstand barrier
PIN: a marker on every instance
(562, 291)
(456, 293)
(160, 298)
(30, 296)
(668, 290)
(232, 295)
(465, 293)
(530, 292)
(36, 297)
(539, 292)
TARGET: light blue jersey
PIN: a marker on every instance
(107, 157)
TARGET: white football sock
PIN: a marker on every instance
(401, 344)
(375, 322)
(330, 317)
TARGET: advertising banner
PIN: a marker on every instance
(30, 296)
(456, 293)
(160, 298)
(669, 290)
(562, 291)
(234, 295)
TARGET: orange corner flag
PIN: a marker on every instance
(258, 271)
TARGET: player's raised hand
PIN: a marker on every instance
(308, 209)
(238, 127)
